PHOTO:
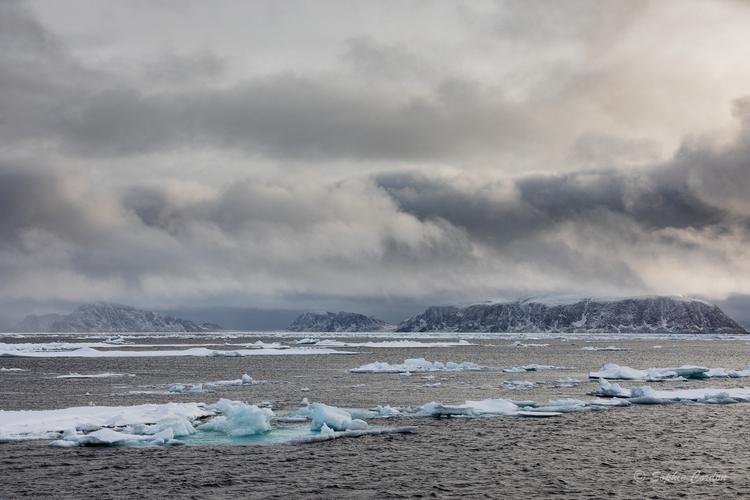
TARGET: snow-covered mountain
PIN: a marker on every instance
(341, 322)
(108, 317)
(36, 324)
(577, 314)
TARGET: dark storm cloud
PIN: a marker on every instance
(703, 186)
(291, 116)
(45, 95)
(33, 198)
(562, 89)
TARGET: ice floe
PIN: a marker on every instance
(419, 365)
(534, 367)
(90, 352)
(46, 424)
(96, 375)
(612, 371)
(518, 343)
(238, 419)
(334, 418)
(517, 385)
(383, 344)
(610, 348)
(647, 395)
(326, 436)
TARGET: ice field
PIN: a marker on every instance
(379, 391)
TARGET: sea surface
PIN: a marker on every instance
(648, 451)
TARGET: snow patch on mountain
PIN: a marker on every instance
(578, 314)
(109, 317)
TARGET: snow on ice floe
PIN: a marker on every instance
(383, 344)
(612, 371)
(518, 343)
(3, 369)
(96, 375)
(534, 367)
(48, 424)
(647, 395)
(331, 434)
(197, 388)
(334, 418)
(238, 419)
(419, 365)
(90, 352)
(610, 348)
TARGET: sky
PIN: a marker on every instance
(242, 161)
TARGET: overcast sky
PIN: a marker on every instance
(375, 157)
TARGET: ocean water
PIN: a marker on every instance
(665, 451)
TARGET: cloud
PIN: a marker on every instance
(501, 148)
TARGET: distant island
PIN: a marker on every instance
(340, 322)
(108, 317)
(545, 314)
(537, 314)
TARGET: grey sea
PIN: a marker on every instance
(686, 450)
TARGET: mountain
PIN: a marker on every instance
(341, 322)
(577, 314)
(36, 324)
(108, 317)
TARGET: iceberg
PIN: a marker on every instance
(238, 419)
(334, 418)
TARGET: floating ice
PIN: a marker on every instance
(12, 370)
(334, 418)
(610, 348)
(495, 407)
(647, 395)
(89, 352)
(610, 402)
(439, 410)
(225, 354)
(388, 344)
(47, 424)
(568, 380)
(418, 365)
(325, 436)
(518, 343)
(98, 375)
(108, 437)
(238, 419)
(617, 372)
(516, 385)
(607, 389)
(534, 367)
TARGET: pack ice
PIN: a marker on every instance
(685, 372)
(419, 365)
(647, 395)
